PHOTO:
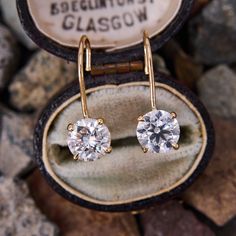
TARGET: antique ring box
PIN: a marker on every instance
(118, 90)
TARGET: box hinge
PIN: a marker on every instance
(117, 68)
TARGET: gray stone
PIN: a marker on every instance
(8, 56)
(43, 77)
(18, 213)
(172, 219)
(217, 90)
(16, 147)
(213, 33)
(11, 18)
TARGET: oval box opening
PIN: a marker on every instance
(127, 179)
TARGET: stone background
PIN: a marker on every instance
(202, 56)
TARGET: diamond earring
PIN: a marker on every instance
(158, 131)
(88, 139)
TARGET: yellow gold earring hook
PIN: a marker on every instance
(148, 68)
(84, 45)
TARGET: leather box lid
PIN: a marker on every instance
(113, 26)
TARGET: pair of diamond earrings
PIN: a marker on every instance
(89, 139)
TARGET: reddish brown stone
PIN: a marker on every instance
(74, 220)
(214, 193)
(171, 219)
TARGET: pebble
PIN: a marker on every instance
(217, 90)
(214, 192)
(172, 219)
(229, 229)
(11, 18)
(43, 77)
(19, 215)
(16, 149)
(187, 70)
(159, 64)
(8, 56)
(213, 33)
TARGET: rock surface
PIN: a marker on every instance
(217, 90)
(172, 219)
(11, 18)
(159, 64)
(229, 229)
(187, 70)
(15, 143)
(214, 192)
(40, 80)
(8, 56)
(19, 215)
(213, 33)
(74, 220)
(199, 5)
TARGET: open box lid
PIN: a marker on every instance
(114, 26)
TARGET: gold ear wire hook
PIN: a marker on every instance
(84, 44)
(148, 68)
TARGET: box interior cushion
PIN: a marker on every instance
(127, 174)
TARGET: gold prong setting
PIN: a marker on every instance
(70, 127)
(145, 150)
(141, 118)
(76, 157)
(175, 146)
(173, 115)
(100, 121)
(108, 150)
